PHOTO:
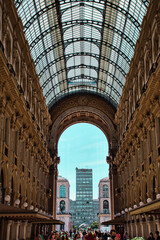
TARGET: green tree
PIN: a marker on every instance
(94, 225)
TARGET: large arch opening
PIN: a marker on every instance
(77, 109)
(82, 146)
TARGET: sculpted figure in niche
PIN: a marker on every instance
(62, 206)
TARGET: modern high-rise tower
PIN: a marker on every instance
(84, 199)
(84, 189)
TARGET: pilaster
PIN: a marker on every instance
(23, 232)
(8, 237)
(15, 230)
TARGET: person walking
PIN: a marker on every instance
(151, 237)
(90, 235)
(157, 237)
(113, 235)
(38, 237)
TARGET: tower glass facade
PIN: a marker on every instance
(84, 190)
(82, 208)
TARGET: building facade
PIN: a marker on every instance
(104, 201)
(25, 162)
(63, 203)
(135, 171)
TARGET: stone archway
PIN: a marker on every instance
(80, 108)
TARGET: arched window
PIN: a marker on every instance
(62, 191)
(8, 46)
(105, 191)
(105, 206)
(17, 68)
(62, 206)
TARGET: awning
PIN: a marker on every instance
(15, 214)
(148, 208)
(115, 221)
(50, 222)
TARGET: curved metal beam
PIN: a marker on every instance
(107, 84)
(91, 40)
(101, 57)
(80, 4)
(110, 27)
(108, 4)
(42, 35)
(99, 29)
(87, 66)
(145, 2)
(38, 14)
(106, 25)
(52, 47)
(18, 3)
(95, 80)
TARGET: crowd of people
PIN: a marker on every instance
(89, 235)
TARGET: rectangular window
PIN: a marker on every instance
(15, 162)
(6, 151)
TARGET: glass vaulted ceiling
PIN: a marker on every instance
(82, 45)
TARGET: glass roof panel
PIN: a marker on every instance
(82, 45)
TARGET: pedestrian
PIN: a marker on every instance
(90, 235)
(42, 235)
(113, 235)
(125, 236)
(157, 237)
(76, 236)
(52, 236)
(38, 237)
(70, 233)
(151, 236)
(119, 236)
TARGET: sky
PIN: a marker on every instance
(83, 145)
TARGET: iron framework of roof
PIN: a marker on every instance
(82, 45)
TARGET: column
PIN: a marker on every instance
(23, 230)
(15, 230)
(136, 227)
(142, 224)
(2, 106)
(158, 223)
(150, 224)
(28, 231)
(1, 12)
(132, 229)
(8, 230)
(53, 186)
